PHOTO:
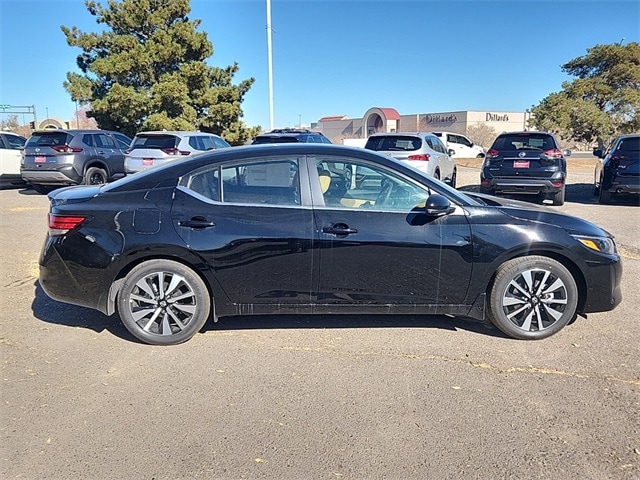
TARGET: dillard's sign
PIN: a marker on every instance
(494, 117)
(448, 119)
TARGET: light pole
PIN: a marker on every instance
(270, 59)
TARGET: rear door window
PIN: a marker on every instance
(258, 182)
(104, 141)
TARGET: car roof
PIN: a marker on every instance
(525, 132)
(391, 134)
(175, 132)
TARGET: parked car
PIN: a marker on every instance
(462, 147)
(261, 230)
(421, 150)
(150, 149)
(525, 163)
(54, 158)
(290, 135)
(618, 170)
(11, 146)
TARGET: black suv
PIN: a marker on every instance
(618, 170)
(290, 135)
(525, 163)
(54, 158)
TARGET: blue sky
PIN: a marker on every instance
(341, 57)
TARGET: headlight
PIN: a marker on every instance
(599, 244)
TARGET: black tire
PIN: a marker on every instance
(604, 196)
(558, 197)
(453, 180)
(532, 297)
(163, 302)
(95, 176)
(43, 189)
(436, 174)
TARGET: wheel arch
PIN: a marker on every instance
(576, 272)
(185, 258)
(98, 163)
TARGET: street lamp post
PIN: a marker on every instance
(270, 59)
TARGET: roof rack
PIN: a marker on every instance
(291, 130)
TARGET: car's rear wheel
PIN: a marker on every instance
(453, 180)
(604, 196)
(43, 189)
(558, 197)
(163, 302)
(95, 176)
(532, 297)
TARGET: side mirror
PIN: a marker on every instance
(438, 205)
(598, 152)
(567, 153)
(451, 152)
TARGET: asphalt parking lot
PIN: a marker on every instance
(332, 397)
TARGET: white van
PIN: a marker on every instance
(461, 145)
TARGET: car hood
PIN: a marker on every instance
(540, 214)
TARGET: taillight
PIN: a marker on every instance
(66, 149)
(61, 224)
(553, 153)
(493, 153)
(175, 151)
(423, 156)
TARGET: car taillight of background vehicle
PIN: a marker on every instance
(553, 153)
(61, 224)
(175, 151)
(424, 157)
(492, 153)
(66, 149)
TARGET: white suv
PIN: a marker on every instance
(150, 149)
(462, 147)
(423, 151)
(11, 146)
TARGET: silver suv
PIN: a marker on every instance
(423, 151)
(54, 158)
(150, 149)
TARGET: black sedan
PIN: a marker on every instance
(618, 170)
(311, 228)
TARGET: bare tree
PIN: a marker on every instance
(482, 134)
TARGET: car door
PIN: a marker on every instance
(249, 223)
(108, 150)
(377, 247)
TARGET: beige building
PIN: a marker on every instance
(376, 119)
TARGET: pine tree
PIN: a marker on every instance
(146, 71)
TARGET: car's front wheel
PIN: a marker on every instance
(163, 302)
(532, 297)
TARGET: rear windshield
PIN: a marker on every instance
(277, 139)
(155, 141)
(524, 141)
(48, 139)
(393, 143)
(631, 144)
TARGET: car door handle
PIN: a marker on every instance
(196, 222)
(339, 229)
